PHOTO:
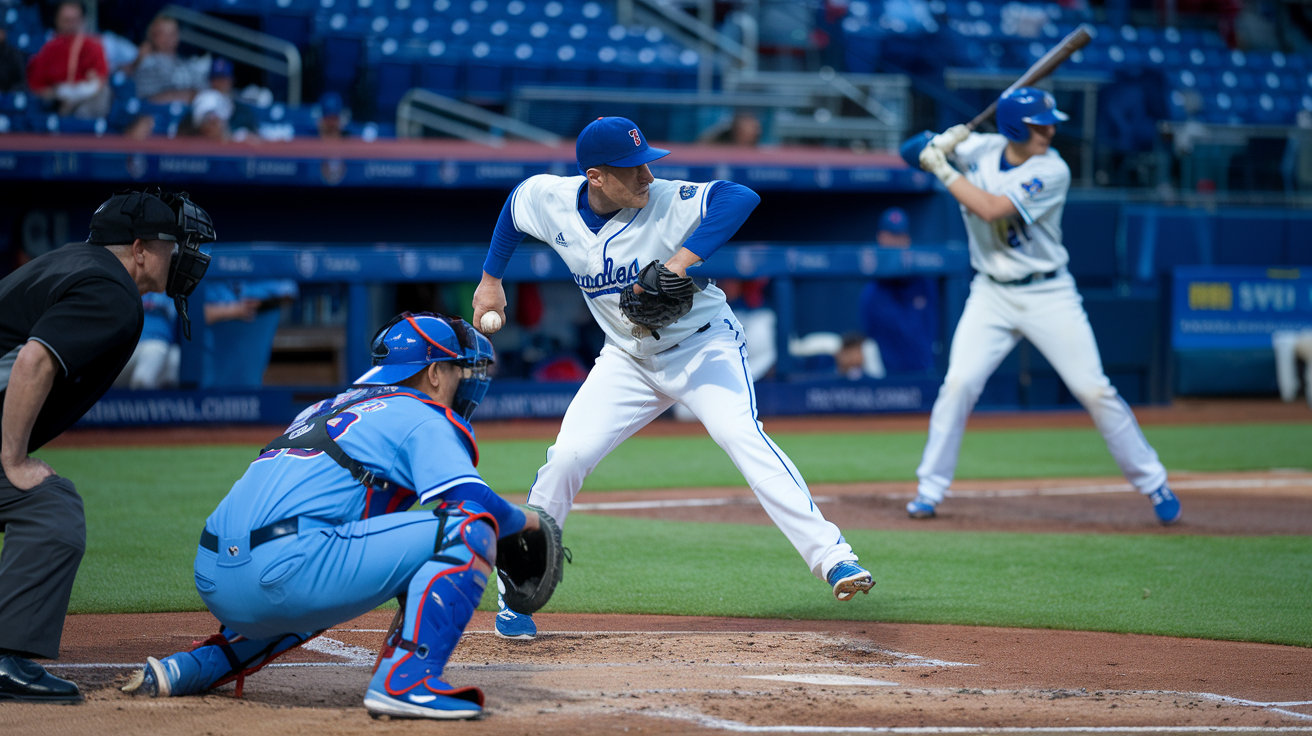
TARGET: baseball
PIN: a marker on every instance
(491, 322)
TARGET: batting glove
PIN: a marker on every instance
(948, 139)
(933, 161)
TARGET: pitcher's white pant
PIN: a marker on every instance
(708, 373)
(1050, 314)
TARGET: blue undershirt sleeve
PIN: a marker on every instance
(505, 238)
(510, 518)
(727, 208)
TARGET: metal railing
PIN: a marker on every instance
(420, 109)
(699, 33)
(242, 45)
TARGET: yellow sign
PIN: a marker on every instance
(1216, 296)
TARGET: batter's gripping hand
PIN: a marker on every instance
(933, 161)
(948, 139)
(665, 298)
(529, 564)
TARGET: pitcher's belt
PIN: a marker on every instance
(267, 533)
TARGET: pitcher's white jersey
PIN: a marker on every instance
(1026, 243)
(546, 207)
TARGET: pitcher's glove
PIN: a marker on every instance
(666, 297)
(529, 565)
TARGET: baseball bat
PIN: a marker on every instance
(1076, 40)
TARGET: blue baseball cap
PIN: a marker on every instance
(220, 67)
(894, 220)
(614, 142)
(330, 103)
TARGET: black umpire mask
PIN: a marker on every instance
(157, 215)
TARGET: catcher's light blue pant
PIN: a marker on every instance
(283, 592)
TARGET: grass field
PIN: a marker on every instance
(145, 508)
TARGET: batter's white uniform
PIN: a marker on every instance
(699, 361)
(1047, 311)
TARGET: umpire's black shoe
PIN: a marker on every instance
(23, 679)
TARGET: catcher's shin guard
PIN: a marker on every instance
(439, 602)
(218, 660)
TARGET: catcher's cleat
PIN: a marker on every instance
(423, 702)
(922, 508)
(1165, 505)
(848, 579)
(151, 681)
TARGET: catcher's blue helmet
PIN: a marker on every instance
(1026, 105)
(410, 342)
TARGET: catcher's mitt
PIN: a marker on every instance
(529, 565)
(666, 296)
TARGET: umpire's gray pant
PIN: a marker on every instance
(45, 534)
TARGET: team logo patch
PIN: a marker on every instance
(637, 139)
(233, 551)
(687, 191)
(1032, 187)
(560, 240)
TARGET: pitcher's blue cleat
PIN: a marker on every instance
(1166, 505)
(848, 579)
(921, 508)
(512, 625)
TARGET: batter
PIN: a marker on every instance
(1012, 195)
(607, 225)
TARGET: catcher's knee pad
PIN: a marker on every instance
(440, 600)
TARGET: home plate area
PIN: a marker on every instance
(667, 674)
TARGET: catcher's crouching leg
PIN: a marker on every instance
(439, 602)
(220, 659)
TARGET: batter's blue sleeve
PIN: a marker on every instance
(510, 518)
(727, 208)
(505, 238)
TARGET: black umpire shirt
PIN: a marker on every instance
(80, 302)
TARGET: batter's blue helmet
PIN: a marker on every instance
(410, 342)
(1026, 105)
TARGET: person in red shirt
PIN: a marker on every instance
(70, 72)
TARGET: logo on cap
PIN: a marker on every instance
(637, 139)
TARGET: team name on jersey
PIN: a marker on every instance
(611, 279)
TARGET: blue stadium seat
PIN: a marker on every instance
(15, 103)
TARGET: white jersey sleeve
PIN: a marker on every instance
(604, 262)
(1030, 241)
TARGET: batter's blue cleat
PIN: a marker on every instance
(848, 579)
(1166, 505)
(921, 508)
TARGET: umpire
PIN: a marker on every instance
(69, 321)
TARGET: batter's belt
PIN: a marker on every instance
(1033, 278)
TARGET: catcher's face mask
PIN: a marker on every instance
(410, 342)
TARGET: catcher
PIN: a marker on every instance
(317, 531)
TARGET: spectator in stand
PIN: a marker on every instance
(333, 117)
(155, 362)
(901, 314)
(11, 65)
(164, 77)
(243, 121)
(70, 72)
(210, 113)
(242, 317)
(850, 360)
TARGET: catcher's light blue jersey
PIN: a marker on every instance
(420, 447)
